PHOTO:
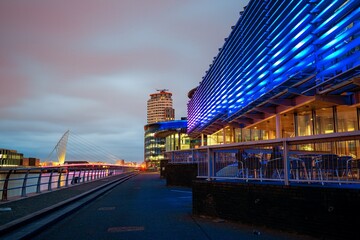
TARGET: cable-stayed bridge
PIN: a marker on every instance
(73, 148)
(73, 160)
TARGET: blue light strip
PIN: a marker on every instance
(272, 41)
(168, 125)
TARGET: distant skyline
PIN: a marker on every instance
(89, 66)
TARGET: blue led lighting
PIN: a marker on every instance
(305, 52)
(262, 76)
(167, 126)
(329, 7)
(272, 41)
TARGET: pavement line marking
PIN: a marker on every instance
(181, 191)
(106, 208)
(126, 229)
(6, 209)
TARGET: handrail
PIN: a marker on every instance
(291, 170)
(20, 181)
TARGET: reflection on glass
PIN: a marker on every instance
(304, 123)
(324, 121)
(346, 119)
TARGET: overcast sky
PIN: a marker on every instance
(88, 66)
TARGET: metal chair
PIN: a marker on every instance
(353, 168)
(343, 162)
(274, 168)
(252, 167)
(298, 169)
(311, 162)
(329, 165)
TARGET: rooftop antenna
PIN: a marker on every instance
(162, 90)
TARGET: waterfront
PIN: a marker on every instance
(19, 182)
(16, 182)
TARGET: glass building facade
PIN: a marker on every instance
(10, 158)
(287, 69)
(164, 136)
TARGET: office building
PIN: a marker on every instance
(160, 107)
(287, 69)
(164, 136)
(160, 117)
(10, 158)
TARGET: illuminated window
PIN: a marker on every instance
(324, 121)
(347, 119)
(304, 121)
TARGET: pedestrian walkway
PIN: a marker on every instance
(15, 209)
(140, 208)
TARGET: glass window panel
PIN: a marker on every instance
(346, 119)
(237, 134)
(324, 121)
(304, 123)
(256, 134)
(348, 148)
(246, 135)
(287, 125)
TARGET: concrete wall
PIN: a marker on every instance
(328, 213)
(180, 174)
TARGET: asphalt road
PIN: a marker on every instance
(145, 208)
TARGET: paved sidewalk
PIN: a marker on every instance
(140, 208)
(145, 208)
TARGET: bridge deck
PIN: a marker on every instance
(141, 208)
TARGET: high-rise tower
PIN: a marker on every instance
(159, 111)
(159, 107)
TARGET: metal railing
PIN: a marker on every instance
(19, 182)
(307, 160)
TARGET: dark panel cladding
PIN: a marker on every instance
(327, 213)
(180, 174)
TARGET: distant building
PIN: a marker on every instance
(160, 107)
(120, 162)
(159, 111)
(33, 162)
(164, 136)
(10, 158)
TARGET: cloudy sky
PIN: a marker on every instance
(88, 66)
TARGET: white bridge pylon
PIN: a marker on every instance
(60, 148)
